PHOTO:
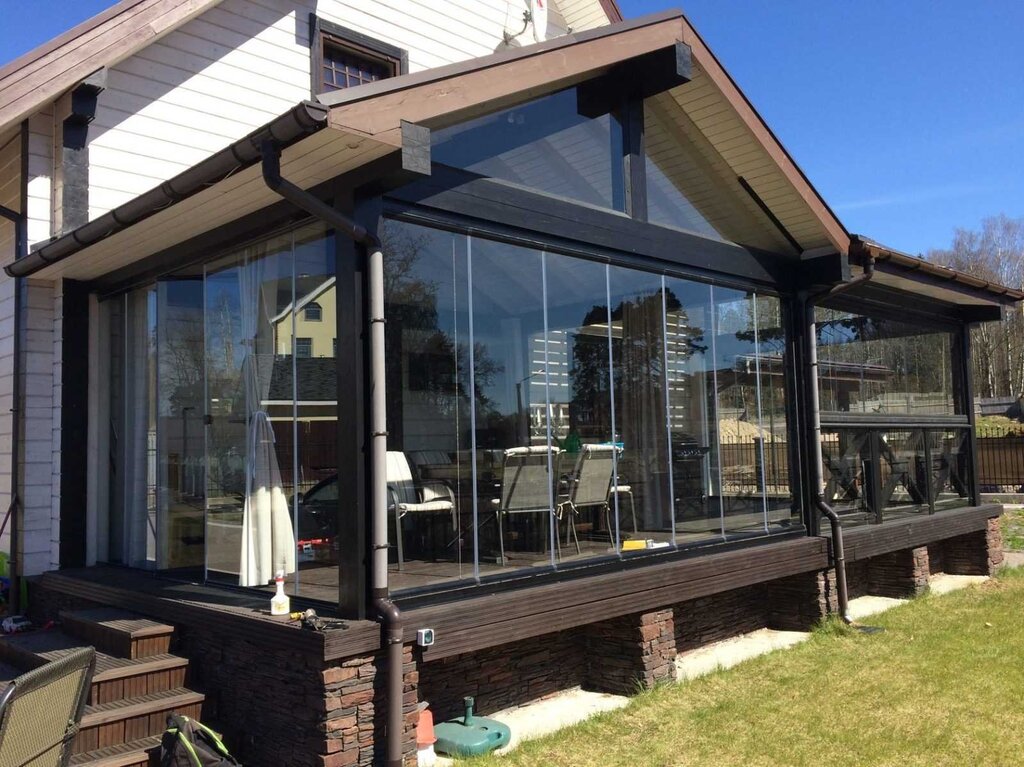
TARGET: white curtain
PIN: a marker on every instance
(268, 542)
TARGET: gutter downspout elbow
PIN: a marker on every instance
(386, 611)
(835, 522)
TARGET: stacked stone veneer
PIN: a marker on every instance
(504, 676)
(278, 708)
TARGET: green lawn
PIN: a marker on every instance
(943, 685)
(1013, 529)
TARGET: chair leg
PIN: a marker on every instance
(501, 537)
(572, 525)
(398, 538)
(632, 510)
(608, 523)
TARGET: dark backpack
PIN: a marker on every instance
(188, 743)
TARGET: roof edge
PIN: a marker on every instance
(862, 248)
(305, 118)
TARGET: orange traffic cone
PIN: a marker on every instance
(425, 729)
(425, 756)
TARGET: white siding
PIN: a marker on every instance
(40, 175)
(242, 63)
(10, 197)
(40, 528)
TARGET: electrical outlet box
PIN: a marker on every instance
(425, 637)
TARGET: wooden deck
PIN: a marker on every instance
(491, 618)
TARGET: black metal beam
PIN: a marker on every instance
(484, 204)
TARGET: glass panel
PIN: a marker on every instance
(951, 468)
(306, 429)
(870, 365)
(844, 455)
(641, 495)
(903, 473)
(431, 395)
(690, 188)
(691, 406)
(579, 402)
(180, 444)
(140, 429)
(545, 145)
(250, 488)
(516, 464)
(772, 366)
(741, 434)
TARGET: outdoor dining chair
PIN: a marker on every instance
(593, 484)
(40, 711)
(526, 485)
(409, 497)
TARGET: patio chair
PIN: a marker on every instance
(40, 711)
(409, 497)
(593, 484)
(526, 485)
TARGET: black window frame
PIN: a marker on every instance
(326, 33)
(303, 339)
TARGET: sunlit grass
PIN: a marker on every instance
(1013, 529)
(942, 685)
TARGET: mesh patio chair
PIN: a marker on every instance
(526, 485)
(40, 711)
(409, 497)
(593, 484)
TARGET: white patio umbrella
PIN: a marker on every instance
(268, 541)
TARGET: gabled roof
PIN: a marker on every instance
(41, 75)
(356, 126)
(38, 77)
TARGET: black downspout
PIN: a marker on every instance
(387, 612)
(838, 550)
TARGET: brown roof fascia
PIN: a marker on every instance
(467, 89)
(861, 248)
(612, 11)
(41, 75)
(764, 135)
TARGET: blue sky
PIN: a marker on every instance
(908, 115)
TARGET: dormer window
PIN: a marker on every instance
(343, 58)
(313, 312)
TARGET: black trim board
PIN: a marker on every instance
(895, 535)
(584, 230)
(74, 422)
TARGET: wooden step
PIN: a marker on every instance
(114, 679)
(124, 721)
(138, 753)
(119, 632)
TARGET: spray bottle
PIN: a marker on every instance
(279, 603)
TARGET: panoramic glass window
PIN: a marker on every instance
(546, 145)
(881, 366)
(545, 410)
(226, 435)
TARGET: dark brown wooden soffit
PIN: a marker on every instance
(41, 75)
(446, 95)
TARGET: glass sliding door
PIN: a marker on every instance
(180, 433)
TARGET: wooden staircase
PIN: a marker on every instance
(136, 685)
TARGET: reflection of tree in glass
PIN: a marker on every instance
(438, 365)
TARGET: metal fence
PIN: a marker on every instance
(1000, 462)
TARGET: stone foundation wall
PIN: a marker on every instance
(280, 709)
(977, 553)
(505, 676)
(720, 616)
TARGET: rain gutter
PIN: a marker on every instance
(298, 122)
